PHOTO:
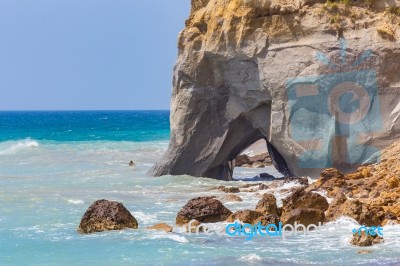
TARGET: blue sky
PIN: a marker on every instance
(88, 54)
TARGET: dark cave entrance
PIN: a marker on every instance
(258, 157)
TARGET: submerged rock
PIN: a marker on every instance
(203, 209)
(253, 187)
(364, 240)
(232, 198)
(104, 215)
(161, 227)
(364, 251)
(229, 189)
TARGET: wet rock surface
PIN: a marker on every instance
(300, 198)
(267, 205)
(364, 240)
(104, 215)
(304, 216)
(161, 227)
(245, 216)
(203, 209)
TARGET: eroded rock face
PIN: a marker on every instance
(336, 204)
(204, 210)
(268, 219)
(267, 205)
(245, 216)
(304, 216)
(306, 200)
(369, 195)
(250, 70)
(104, 215)
(363, 213)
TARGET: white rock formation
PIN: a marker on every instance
(320, 83)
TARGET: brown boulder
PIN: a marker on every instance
(336, 204)
(203, 209)
(254, 187)
(330, 179)
(232, 198)
(268, 219)
(256, 161)
(363, 240)
(267, 205)
(245, 216)
(161, 227)
(303, 216)
(104, 215)
(329, 174)
(306, 200)
(363, 213)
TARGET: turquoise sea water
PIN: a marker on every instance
(53, 165)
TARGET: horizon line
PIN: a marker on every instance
(85, 110)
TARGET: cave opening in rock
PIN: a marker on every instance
(260, 160)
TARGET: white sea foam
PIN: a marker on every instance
(72, 201)
(145, 218)
(12, 147)
(177, 238)
(250, 258)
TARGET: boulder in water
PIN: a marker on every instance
(104, 215)
(203, 209)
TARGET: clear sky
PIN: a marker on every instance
(88, 54)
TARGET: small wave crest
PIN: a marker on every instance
(12, 147)
(250, 258)
(76, 202)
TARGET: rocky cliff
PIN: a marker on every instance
(320, 82)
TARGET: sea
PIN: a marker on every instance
(55, 164)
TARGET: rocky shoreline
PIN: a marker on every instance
(370, 196)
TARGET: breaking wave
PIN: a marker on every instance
(12, 147)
